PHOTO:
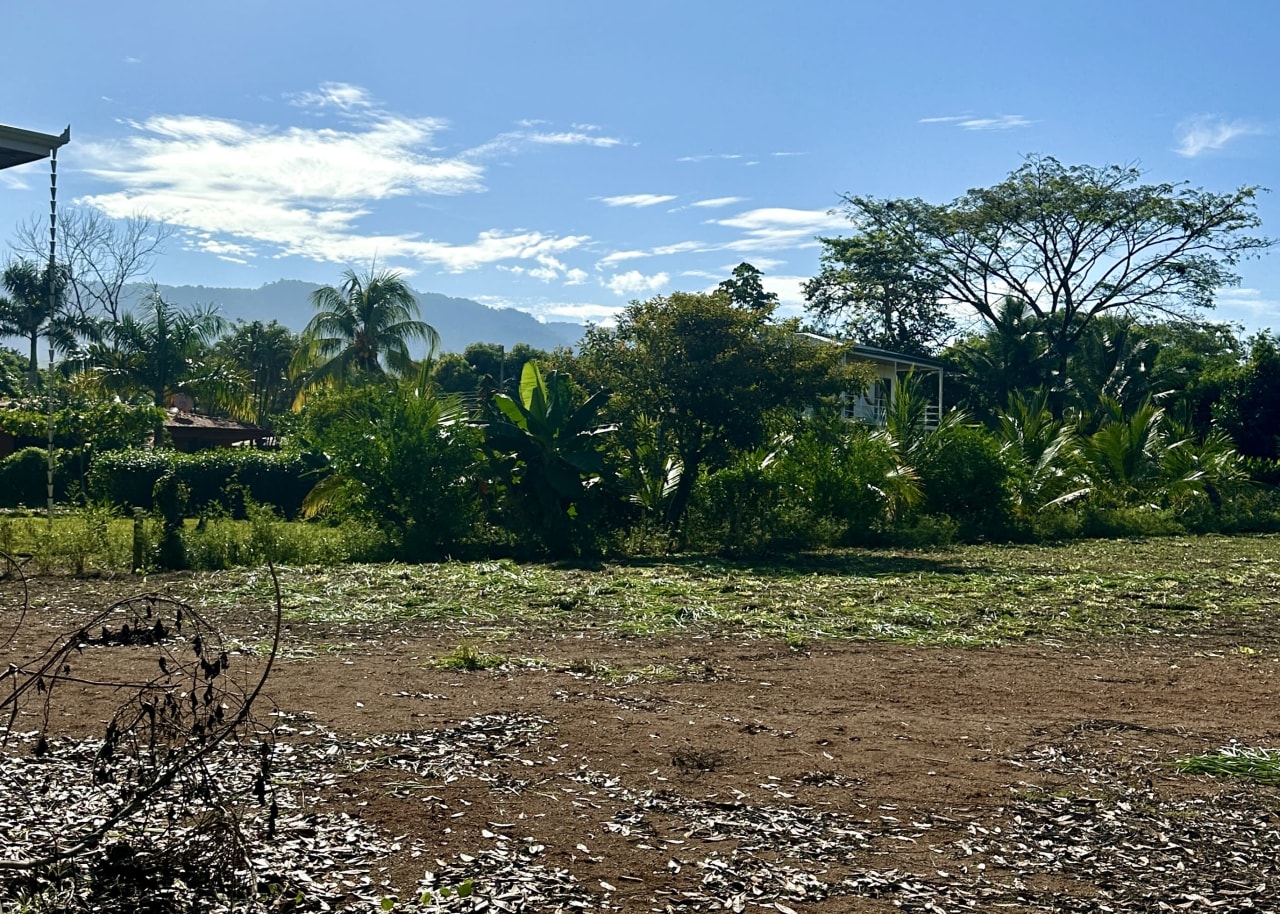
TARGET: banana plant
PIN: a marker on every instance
(549, 450)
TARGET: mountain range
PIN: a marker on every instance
(459, 321)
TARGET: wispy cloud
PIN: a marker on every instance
(12, 181)
(709, 157)
(343, 96)
(1249, 302)
(637, 200)
(549, 269)
(1205, 133)
(718, 201)
(634, 282)
(773, 228)
(132, 60)
(968, 122)
(302, 191)
(609, 260)
(569, 138)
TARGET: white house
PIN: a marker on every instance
(891, 370)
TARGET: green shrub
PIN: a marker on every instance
(226, 477)
(401, 461)
(964, 476)
(1120, 522)
(850, 478)
(218, 541)
(24, 478)
(745, 509)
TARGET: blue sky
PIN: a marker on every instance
(567, 157)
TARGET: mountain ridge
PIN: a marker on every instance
(459, 321)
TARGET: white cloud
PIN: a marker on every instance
(789, 291)
(575, 277)
(705, 158)
(342, 96)
(301, 191)
(637, 200)
(573, 139)
(12, 181)
(718, 201)
(763, 264)
(680, 247)
(609, 260)
(634, 283)
(772, 228)
(967, 122)
(1198, 135)
(580, 311)
(132, 60)
(1249, 302)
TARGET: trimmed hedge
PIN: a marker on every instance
(220, 477)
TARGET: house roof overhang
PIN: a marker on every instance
(18, 147)
(875, 354)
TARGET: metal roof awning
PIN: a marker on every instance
(18, 147)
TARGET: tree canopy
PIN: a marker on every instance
(1071, 242)
(708, 371)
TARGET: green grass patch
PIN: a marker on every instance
(962, 596)
(1242, 762)
(467, 659)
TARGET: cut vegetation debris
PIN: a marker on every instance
(965, 596)
(1234, 761)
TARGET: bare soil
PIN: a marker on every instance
(726, 771)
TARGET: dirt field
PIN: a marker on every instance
(591, 770)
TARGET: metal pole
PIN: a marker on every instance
(53, 303)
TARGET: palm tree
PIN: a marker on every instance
(250, 370)
(31, 311)
(156, 351)
(363, 326)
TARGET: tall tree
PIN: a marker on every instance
(1249, 410)
(1073, 242)
(871, 289)
(363, 326)
(745, 289)
(710, 372)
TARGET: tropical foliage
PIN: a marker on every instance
(362, 327)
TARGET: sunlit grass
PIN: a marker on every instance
(966, 596)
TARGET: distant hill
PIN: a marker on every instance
(459, 321)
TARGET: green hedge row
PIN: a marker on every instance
(24, 479)
(215, 477)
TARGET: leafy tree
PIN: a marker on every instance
(873, 290)
(156, 350)
(400, 458)
(551, 449)
(1192, 360)
(1249, 410)
(12, 368)
(712, 374)
(746, 289)
(1073, 243)
(364, 326)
